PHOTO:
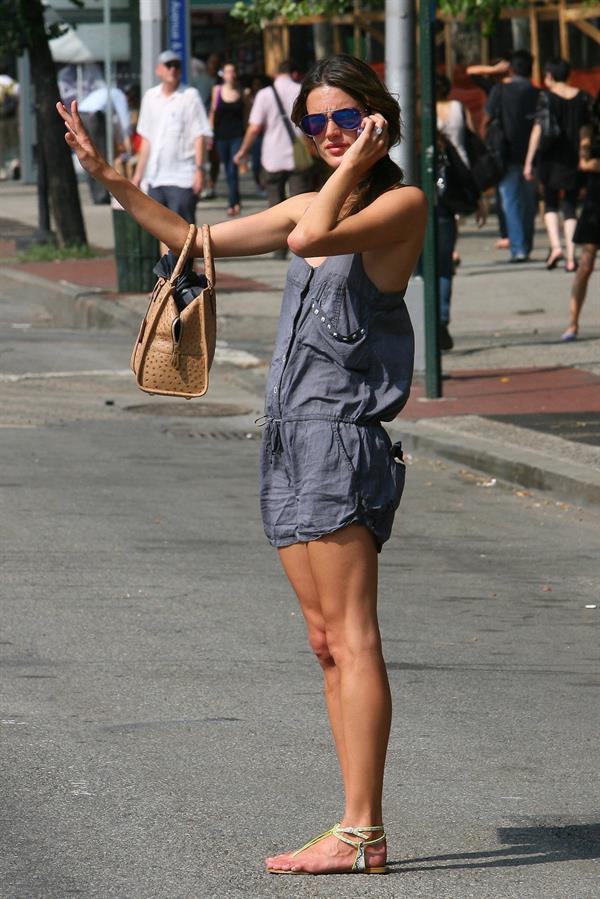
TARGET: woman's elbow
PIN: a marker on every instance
(301, 243)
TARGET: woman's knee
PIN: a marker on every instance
(317, 638)
(350, 644)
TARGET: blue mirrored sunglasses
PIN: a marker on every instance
(348, 119)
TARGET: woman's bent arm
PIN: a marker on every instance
(393, 218)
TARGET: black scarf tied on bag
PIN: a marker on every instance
(187, 286)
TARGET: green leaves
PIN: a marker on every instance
(20, 22)
(255, 13)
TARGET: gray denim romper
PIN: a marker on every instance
(342, 364)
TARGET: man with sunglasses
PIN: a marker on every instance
(277, 156)
(173, 126)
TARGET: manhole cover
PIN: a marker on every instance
(189, 409)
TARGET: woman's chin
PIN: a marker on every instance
(334, 155)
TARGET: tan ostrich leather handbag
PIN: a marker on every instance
(175, 347)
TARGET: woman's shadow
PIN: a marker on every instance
(533, 845)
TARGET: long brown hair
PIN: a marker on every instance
(359, 81)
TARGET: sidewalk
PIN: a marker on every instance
(518, 404)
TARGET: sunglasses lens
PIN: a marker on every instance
(349, 119)
(313, 124)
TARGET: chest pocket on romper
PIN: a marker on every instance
(337, 325)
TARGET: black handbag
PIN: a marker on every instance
(456, 187)
(496, 142)
(549, 125)
(484, 166)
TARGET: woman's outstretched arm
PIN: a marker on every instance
(261, 233)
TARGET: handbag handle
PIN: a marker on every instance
(185, 252)
(209, 267)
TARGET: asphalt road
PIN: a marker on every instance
(160, 720)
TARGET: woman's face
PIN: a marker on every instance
(229, 74)
(333, 141)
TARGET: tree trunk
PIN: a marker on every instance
(62, 183)
(323, 39)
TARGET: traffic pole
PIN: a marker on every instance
(433, 372)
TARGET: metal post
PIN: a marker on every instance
(150, 39)
(110, 144)
(26, 119)
(433, 375)
(400, 78)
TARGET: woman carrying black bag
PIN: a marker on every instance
(457, 193)
(562, 119)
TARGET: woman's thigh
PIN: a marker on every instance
(296, 564)
(344, 570)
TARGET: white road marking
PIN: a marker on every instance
(223, 356)
(50, 375)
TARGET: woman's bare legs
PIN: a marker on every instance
(579, 288)
(343, 568)
(553, 228)
(296, 565)
(569, 229)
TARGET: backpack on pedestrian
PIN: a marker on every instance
(497, 142)
(484, 166)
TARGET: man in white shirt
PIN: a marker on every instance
(173, 126)
(277, 154)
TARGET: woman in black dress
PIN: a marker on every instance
(568, 109)
(228, 112)
(587, 232)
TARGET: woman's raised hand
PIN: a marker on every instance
(372, 143)
(79, 140)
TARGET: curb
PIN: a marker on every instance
(72, 305)
(569, 481)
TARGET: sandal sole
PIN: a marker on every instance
(325, 873)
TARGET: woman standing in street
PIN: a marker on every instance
(227, 116)
(587, 232)
(330, 479)
(569, 108)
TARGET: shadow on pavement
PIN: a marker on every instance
(533, 845)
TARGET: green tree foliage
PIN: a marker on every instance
(24, 28)
(256, 12)
(18, 30)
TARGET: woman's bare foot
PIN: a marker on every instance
(327, 856)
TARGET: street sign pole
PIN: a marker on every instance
(400, 77)
(433, 374)
(110, 143)
(178, 22)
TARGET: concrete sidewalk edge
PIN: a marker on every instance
(73, 305)
(570, 482)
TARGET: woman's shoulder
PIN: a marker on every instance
(406, 196)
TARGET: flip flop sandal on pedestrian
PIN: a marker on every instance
(359, 865)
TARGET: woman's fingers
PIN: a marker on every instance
(375, 126)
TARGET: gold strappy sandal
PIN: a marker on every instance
(359, 865)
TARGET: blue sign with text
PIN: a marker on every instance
(178, 16)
